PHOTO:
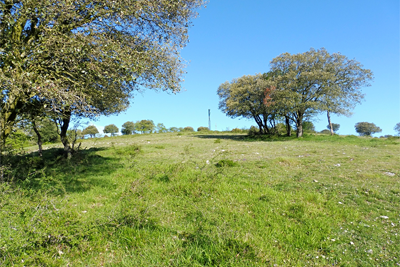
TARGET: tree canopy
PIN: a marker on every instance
(128, 128)
(366, 128)
(246, 97)
(335, 127)
(87, 56)
(145, 126)
(111, 129)
(316, 81)
(91, 131)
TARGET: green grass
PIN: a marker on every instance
(205, 199)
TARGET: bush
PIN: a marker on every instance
(188, 129)
(325, 131)
(236, 130)
(202, 129)
(253, 131)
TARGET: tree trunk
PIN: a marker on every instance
(63, 133)
(288, 128)
(39, 140)
(330, 123)
(299, 125)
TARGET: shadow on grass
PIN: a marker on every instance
(55, 174)
(246, 138)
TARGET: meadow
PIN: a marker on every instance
(204, 199)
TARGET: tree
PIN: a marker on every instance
(202, 129)
(128, 128)
(111, 129)
(248, 97)
(188, 129)
(316, 81)
(308, 126)
(145, 126)
(173, 129)
(75, 53)
(397, 128)
(161, 128)
(366, 128)
(91, 131)
(333, 126)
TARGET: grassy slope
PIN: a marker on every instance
(284, 201)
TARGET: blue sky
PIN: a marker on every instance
(232, 38)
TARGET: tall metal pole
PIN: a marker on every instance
(209, 120)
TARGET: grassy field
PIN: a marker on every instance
(216, 199)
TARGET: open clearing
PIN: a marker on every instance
(215, 199)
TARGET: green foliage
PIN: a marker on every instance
(366, 128)
(145, 126)
(253, 131)
(47, 130)
(91, 131)
(202, 129)
(173, 129)
(99, 53)
(217, 141)
(335, 127)
(246, 97)
(308, 126)
(111, 129)
(161, 128)
(315, 81)
(325, 131)
(128, 128)
(188, 129)
(237, 130)
(18, 139)
(397, 128)
(226, 163)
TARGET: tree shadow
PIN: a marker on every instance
(55, 174)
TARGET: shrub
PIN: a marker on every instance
(236, 130)
(226, 163)
(188, 129)
(325, 131)
(253, 131)
(201, 129)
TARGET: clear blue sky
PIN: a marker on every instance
(232, 38)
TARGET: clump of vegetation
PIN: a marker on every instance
(237, 130)
(188, 129)
(226, 163)
(217, 141)
(202, 129)
(366, 128)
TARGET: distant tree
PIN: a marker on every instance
(397, 128)
(335, 127)
(91, 131)
(161, 128)
(325, 131)
(308, 83)
(173, 129)
(308, 126)
(145, 126)
(188, 129)
(111, 129)
(201, 129)
(366, 128)
(128, 128)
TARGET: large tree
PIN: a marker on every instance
(91, 130)
(316, 81)
(128, 128)
(246, 97)
(75, 53)
(111, 129)
(366, 128)
(145, 126)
